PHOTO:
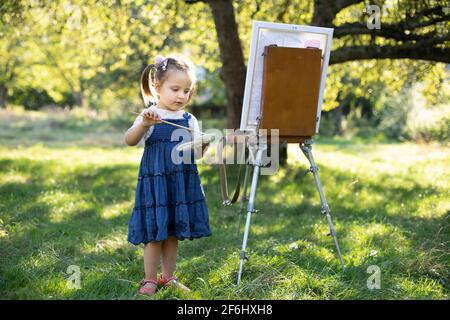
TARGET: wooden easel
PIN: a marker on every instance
(290, 91)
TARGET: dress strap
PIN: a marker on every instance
(186, 115)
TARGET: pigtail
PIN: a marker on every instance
(147, 85)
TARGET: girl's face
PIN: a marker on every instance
(175, 91)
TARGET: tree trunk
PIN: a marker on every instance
(3, 93)
(324, 13)
(9, 69)
(337, 116)
(78, 96)
(233, 67)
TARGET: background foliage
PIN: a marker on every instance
(90, 54)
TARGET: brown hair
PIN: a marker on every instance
(158, 73)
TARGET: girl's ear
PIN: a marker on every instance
(191, 94)
(157, 87)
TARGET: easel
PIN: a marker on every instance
(277, 61)
(255, 166)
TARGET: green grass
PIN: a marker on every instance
(67, 188)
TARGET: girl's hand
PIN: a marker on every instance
(150, 118)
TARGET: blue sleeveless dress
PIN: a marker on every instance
(169, 197)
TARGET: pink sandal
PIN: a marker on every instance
(172, 282)
(148, 287)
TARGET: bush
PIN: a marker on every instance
(36, 99)
(31, 98)
(327, 126)
(406, 116)
(426, 124)
(393, 117)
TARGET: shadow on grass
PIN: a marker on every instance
(285, 240)
(298, 221)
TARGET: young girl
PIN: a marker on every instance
(170, 202)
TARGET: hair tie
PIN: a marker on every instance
(160, 60)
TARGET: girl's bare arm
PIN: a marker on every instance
(136, 132)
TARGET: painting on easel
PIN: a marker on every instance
(267, 34)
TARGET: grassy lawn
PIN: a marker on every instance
(67, 190)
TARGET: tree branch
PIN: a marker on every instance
(423, 50)
(341, 4)
(257, 9)
(325, 10)
(414, 22)
(395, 30)
(389, 31)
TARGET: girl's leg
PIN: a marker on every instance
(152, 256)
(169, 256)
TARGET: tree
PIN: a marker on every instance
(93, 52)
(11, 31)
(415, 30)
(9, 62)
(233, 67)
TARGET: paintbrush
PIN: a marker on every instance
(174, 124)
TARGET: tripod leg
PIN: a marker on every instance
(248, 168)
(250, 210)
(307, 150)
